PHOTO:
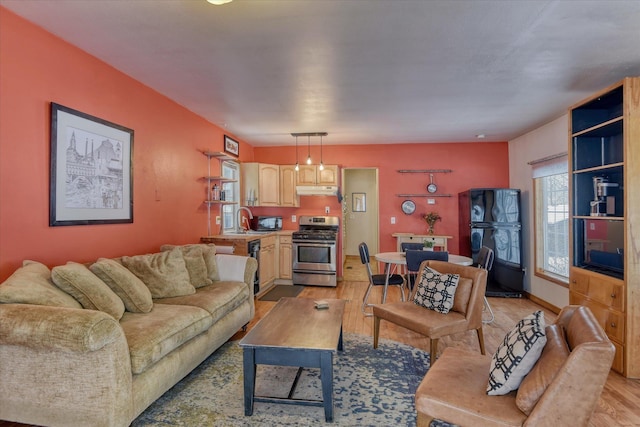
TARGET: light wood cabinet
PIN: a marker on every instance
(267, 262)
(439, 242)
(312, 175)
(288, 177)
(260, 184)
(605, 268)
(285, 252)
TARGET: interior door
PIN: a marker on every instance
(360, 210)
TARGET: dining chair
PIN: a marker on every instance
(377, 279)
(485, 261)
(465, 314)
(415, 258)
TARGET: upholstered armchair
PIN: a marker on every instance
(465, 314)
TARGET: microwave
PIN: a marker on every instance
(266, 223)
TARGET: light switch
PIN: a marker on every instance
(431, 201)
(393, 220)
(327, 209)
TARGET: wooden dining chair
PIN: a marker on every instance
(376, 279)
(465, 315)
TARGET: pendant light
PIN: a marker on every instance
(297, 165)
(308, 149)
(321, 167)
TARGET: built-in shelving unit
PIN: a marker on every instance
(212, 180)
(604, 214)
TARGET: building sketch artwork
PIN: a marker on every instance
(94, 165)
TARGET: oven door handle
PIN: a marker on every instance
(315, 244)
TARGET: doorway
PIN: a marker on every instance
(360, 210)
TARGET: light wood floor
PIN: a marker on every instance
(619, 404)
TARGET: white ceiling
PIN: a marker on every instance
(365, 71)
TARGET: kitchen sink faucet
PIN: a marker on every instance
(240, 223)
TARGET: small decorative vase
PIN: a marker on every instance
(427, 249)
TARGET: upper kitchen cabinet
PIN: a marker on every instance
(312, 175)
(260, 184)
(604, 165)
(288, 196)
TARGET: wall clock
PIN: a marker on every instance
(408, 207)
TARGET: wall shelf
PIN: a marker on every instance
(423, 195)
(425, 170)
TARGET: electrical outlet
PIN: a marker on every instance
(327, 209)
(431, 201)
(293, 218)
(592, 226)
(218, 220)
(393, 220)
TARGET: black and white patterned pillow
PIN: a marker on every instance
(517, 354)
(436, 291)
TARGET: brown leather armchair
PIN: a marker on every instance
(465, 315)
(563, 390)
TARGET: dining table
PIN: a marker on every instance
(400, 259)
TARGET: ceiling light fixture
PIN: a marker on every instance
(321, 167)
(219, 2)
(308, 149)
(481, 136)
(297, 165)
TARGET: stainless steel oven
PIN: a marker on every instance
(314, 251)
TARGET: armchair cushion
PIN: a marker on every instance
(517, 354)
(551, 360)
(436, 291)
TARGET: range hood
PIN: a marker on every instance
(317, 190)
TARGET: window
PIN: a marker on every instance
(230, 170)
(551, 207)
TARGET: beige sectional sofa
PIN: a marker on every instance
(95, 344)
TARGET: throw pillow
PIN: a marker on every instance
(87, 288)
(195, 263)
(209, 255)
(31, 284)
(555, 353)
(436, 291)
(164, 273)
(517, 354)
(133, 293)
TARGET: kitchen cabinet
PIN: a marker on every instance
(604, 166)
(312, 175)
(267, 261)
(260, 184)
(288, 177)
(285, 257)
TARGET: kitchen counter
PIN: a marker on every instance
(238, 241)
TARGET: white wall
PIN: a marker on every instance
(544, 141)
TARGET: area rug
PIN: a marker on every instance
(371, 388)
(281, 291)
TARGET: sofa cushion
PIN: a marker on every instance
(164, 273)
(436, 291)
(553, 356)
(517, 354)
(208, 253)
(153, 335)
(31, 284)
(133, 293)
(218, 299)
(195, 263)
(87, 288)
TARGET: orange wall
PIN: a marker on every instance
(474, 165)
(37, 68)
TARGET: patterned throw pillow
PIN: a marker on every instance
(436, 291)
(517, 354)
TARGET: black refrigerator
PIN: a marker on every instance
(491, 217)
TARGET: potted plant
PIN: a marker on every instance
(428, 245)
(431, 218)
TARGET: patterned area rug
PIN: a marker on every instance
(371, 388)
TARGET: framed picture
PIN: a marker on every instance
(359, 202)
(91, 170)
(231, 146)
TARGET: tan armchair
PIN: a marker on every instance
(465, 315)
(563, 390)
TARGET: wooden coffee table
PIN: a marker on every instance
(294, 333)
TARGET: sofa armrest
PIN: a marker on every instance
(237, 268)
(57, 328)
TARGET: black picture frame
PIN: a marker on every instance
(91, 170)
(231, 146)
